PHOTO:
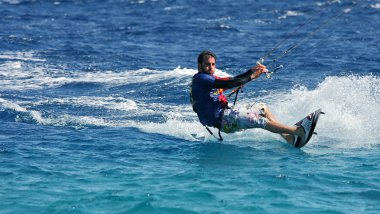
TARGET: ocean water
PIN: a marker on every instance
(95, 114)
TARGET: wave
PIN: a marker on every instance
(20, 56)
(16, 75)
(13, 112)
(116, 103)
(10, 111)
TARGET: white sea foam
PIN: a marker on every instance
(19, 113)
(290, 13)
(116, 103)
(188, 130)
(375, 6)
(17, 76)
(347, 10)
(328, 2)
(23, 56)
(12, 1)
(5, 104)
(173, 8)
(22, 114)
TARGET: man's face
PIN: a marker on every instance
(208, 65)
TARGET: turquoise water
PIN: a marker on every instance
(95, 113)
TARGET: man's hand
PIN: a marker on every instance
(258, 70)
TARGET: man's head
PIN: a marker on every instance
(207, 62)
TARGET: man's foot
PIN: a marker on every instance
(289, 138)
(303, 132)
(305, 125)
(296, 140)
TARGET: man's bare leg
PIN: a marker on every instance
(287, 132)
(276, 127)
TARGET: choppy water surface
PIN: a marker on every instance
(95, 113)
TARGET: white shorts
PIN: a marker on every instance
(250, 116)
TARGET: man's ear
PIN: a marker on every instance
(199, 67)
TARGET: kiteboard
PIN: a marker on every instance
(308, 124)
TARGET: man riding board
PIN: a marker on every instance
(211, 106)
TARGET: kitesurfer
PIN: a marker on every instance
(211, 105)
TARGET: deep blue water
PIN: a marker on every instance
(95, 114)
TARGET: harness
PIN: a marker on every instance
(220, 138)
(219, 125)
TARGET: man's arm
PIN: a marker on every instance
(241, 79)
(232, 82)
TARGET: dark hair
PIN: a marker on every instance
(205, 53)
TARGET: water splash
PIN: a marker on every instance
(351, 104)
